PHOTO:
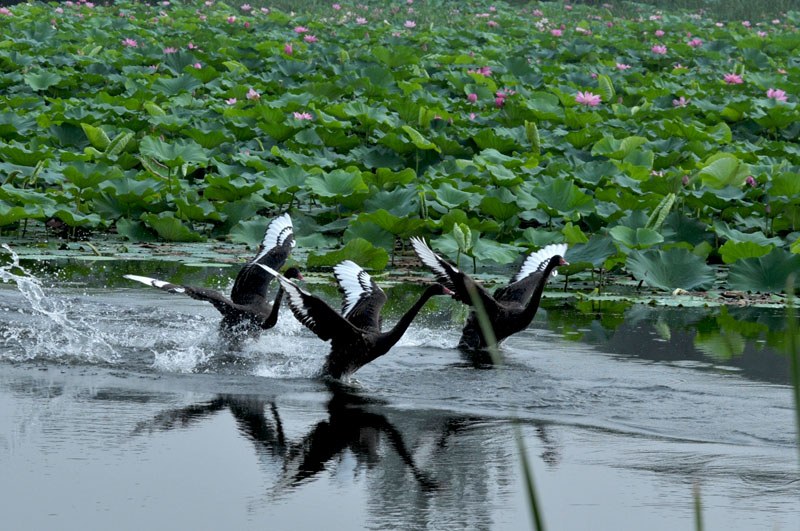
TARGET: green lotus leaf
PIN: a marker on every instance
(338, 183)
(767, 274)
(540, 238)
(562, 197)
(358, 250)
(400, 226)
(42, 80)
(134, 231)
(11, 214)
(398, 202)
(593, 253)
(176, 85)
(452, 197)
(732, 251)
(418, 140)
(722, 170)
(170, 228)
(501, 208)
(785, 184)
(250, 232)
(724, 230)
(174, 154)
(641, 238)
(674, 268)
(372, 233)
(501, 253)
(77, 219)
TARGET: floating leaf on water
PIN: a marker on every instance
(766, 274)
(358, 250)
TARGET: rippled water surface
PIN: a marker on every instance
(120, 409)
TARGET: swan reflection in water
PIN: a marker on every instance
(350, 425)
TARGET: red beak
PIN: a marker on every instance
(563, 262)
(299, 276)
(448, 291)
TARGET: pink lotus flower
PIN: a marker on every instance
(197, 66)
(587, 98)
(746, 23)
(410, 24)
(246, 24)
(310, 38)
(776, 94)
(681, 102)
(761, 34)
(472, 115)
(170, 50)
(493, 24)
(300, 29)
(659, 33)
(623, 66)
(361, 20)
(555, 32)
(231, 19)
(231, 101)
(303, 115)
(472, 98)
(253, 95)
(337, 7)
(537, 13)
(59, 10)
(695, 43)
(781, 71)
(733, 79)
(499, 102)
(191, 46)
(246, 7)
(750, 180)
(130, 42)
(659, 49)
(288, 48)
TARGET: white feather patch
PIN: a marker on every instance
(356, 283)
(278, 230)
(428, 257)
(154, 282)
(294, 292)
(538, 261)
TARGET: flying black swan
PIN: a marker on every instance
(512, 307)
(356, 337)
(248, 311)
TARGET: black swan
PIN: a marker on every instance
(512, 307)
(248, 311)
(356, 337)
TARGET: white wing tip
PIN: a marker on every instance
(154, 282)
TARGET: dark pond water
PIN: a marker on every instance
(120, 410)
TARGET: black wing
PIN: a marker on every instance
(446, 274)
(363, 299)
(250, 286)
(521, 286)
(220, 302)
(314, 313)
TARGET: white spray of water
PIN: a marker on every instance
(59, 337)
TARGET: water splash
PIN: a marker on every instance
(55, 337)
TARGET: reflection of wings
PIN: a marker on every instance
(347, 427)
(249, 413)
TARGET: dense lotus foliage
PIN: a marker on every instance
(656, 144)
